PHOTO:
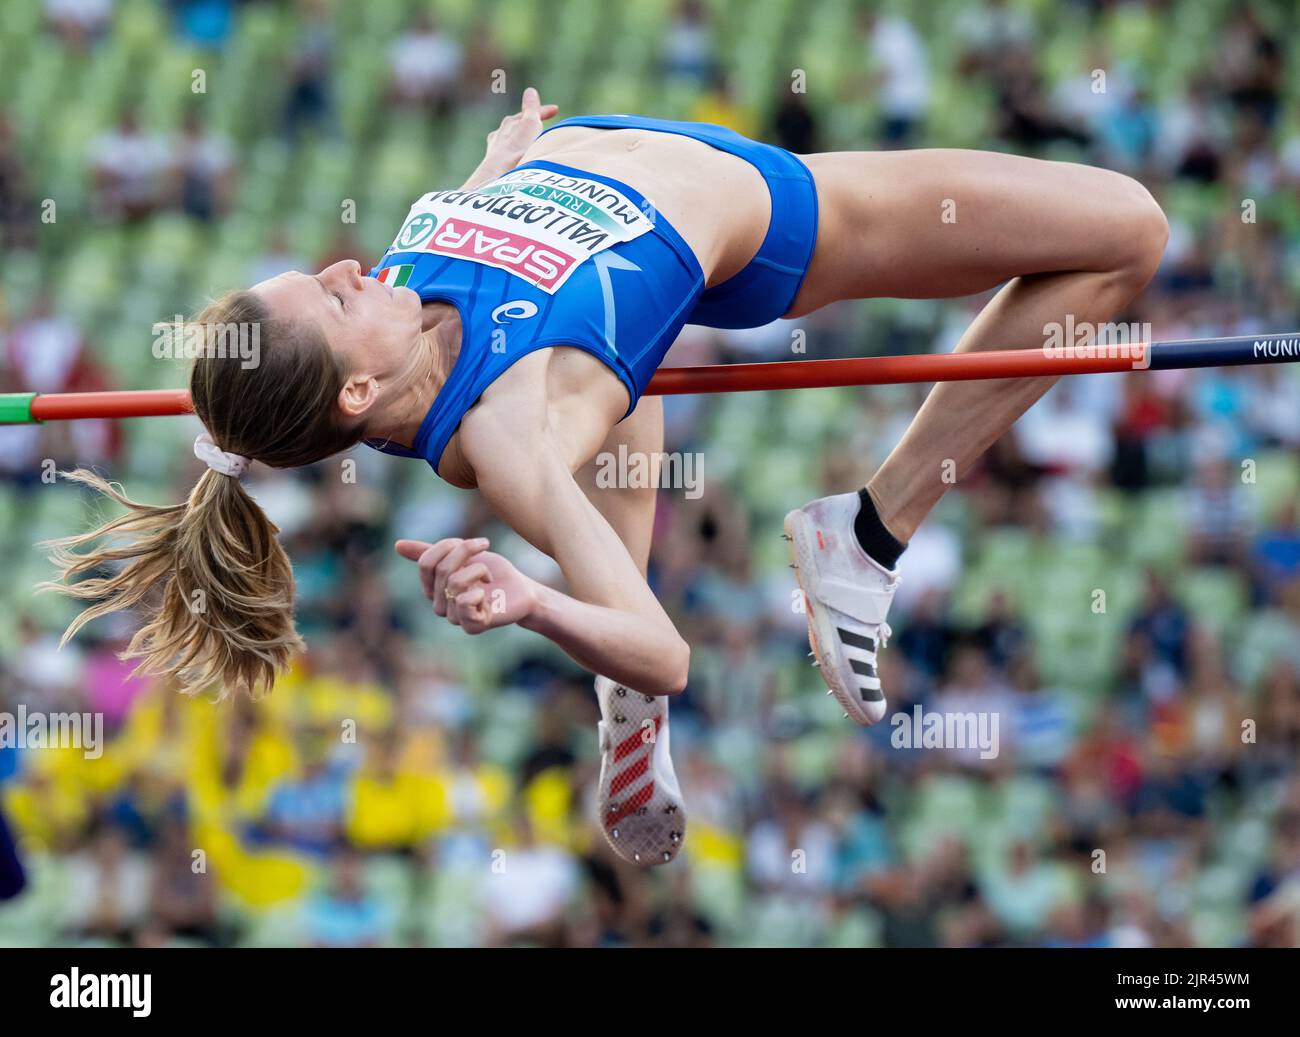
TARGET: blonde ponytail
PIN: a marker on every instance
(210, 578)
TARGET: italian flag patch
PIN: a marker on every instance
(395, 276)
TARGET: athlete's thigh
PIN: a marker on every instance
(629, 509)
(940, 223)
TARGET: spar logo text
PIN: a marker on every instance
(513, 252)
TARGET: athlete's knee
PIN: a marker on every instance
(1141, 231)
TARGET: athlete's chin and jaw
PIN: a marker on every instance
(372, 327)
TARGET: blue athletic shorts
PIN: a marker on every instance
(767, 287)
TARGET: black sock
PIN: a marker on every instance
(881, 545)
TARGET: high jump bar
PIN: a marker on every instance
(1236, 351)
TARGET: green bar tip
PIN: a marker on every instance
(16, 408)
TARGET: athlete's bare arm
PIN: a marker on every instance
(610, 622)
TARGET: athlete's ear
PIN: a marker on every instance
(359, 393)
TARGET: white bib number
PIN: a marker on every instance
(537, 224)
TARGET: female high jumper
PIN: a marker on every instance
(506, 337)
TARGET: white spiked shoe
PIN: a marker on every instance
(641, 811)
(847, 596)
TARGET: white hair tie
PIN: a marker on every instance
(207, 451)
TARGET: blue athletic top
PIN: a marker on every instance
(550, 255)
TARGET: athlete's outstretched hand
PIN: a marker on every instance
(507, 143)
(473, 587)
